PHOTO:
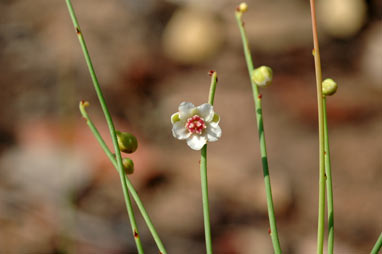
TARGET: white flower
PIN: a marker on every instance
(196, 124)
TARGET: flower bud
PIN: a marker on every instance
(128, 165)
(329, 87)
(127, 142)
(243, 7)
(262, 76)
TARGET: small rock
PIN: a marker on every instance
(341, 18)
(192, 36)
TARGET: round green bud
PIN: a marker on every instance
(329, 87)
(262, 76)
(243, 7)
(127, 142)
(128, 165)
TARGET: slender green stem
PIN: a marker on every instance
(110, 124)
(130, 186)
(329, 185)
(203, 175)
(321, 197)
(206, 209)
(377, 245)
(214, 80)
(130, 211)
(260, 126)
(96, 133)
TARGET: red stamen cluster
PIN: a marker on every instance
(195, 124)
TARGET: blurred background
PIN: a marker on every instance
(60, 194)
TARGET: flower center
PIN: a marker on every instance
(195, 124)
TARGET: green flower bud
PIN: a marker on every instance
(262, 76)
(243, 7)
(329, 87)
(127, 142)
(128, 165)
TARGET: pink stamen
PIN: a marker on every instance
(195, 124)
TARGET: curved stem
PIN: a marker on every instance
(110, 125)
(377, 245)
(130, 186)
(329, 184)
(260, 126)
(321, 198)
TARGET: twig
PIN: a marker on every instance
(110, 125)
(130, 186)
(263, 151)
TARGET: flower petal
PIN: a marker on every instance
(175, 117)
(214, 132)
(179, 131)
(185, 110)
(206, 111)
(196, 142)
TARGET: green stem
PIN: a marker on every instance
(260, 126)
(321, 197)
(214, 80)
(206, 209)
(377, 245)
(110, 125)
(130, 186)
(329, 184)
(203, 175)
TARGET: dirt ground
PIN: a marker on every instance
(60, 194)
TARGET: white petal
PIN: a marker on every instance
(185, 110)
(206, 111)
(179, 131)
(214, 132)
(196, 142)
